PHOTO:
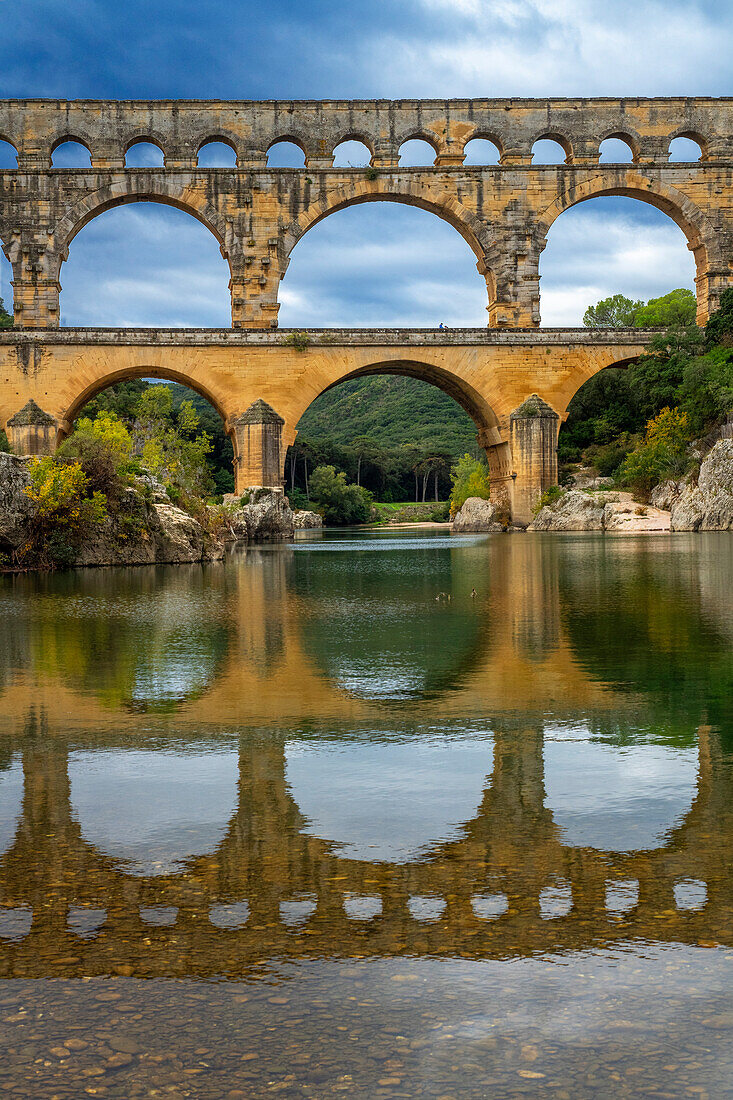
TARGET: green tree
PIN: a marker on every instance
(719, 329)
(618, 311)
(339, 502)
(470, 479)
(6, 321)
(678, 308)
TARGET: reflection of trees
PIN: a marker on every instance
(376, 627)
(147, 640)
(634, 618)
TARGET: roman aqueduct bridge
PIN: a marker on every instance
(259, 383)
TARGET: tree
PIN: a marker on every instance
(617, 311)
(719, 329)
(470, 479)
(662, 455)
(6, 321)
(676, 309)
(339, 502)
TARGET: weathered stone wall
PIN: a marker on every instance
(258, 213)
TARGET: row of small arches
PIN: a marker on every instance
(555, 902)
(416, 152)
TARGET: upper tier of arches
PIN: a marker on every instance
(108, 129)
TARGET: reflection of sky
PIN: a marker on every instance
(387, 801)
(172, 676)
(617, 799)
(152, 810)
(11, 799)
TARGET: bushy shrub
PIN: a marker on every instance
(470, 478)
(298, 500)
(339, 503)
(551, 494)
(661, 455)
(64, 510)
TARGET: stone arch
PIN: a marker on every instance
(487, 135)
(92, 384)
(137, 188)
(219, 136)
(701, 235)
(63, 138)
(560, 138)
(472, 229)
(629, 137)
(353, 135)
(692, 135)
(417, 134)
(144, 137)
(294, 137)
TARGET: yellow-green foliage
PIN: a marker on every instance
(470, 479)
(59, 493)
(108, 428)
(661, 455)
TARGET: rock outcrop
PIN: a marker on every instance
(476, 515)
(307, 521)
(579, 511)
(146, 528)
(707, 505)
(260, 515)
(573, 511)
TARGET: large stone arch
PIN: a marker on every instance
(700, 233)
(140, 187)
(490, 433)
(475, 232)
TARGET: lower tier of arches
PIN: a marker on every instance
(515, 386)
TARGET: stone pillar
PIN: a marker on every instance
(32, 431)
(501, 475)
(258, 447)
(511, 269)
(533, 430)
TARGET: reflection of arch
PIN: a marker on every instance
(136, 189)
(474, 232)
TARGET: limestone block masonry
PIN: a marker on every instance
(259, 213)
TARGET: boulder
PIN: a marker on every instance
(633, 518)
(573, 511)
(476, 515)
(261, 515)
(307, 521)
(708, 506)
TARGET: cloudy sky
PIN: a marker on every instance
(380, 263)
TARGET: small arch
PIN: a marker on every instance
(352, 153)
(144, 153)
(286, 152)
(216, 152)
(616, 149)
(687, 148)
(551, 148)
(8, 155)
(482, 150)
(71, 152)
(417, 152)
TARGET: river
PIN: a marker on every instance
(298, 824)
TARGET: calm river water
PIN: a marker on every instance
(290, 825)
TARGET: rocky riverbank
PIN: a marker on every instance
(145, 527)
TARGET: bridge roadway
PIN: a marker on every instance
(516, 384)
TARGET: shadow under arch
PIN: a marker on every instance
(473, 231)
(700, 234)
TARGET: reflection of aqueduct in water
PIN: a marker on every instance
(507, 855)
(257, 213)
